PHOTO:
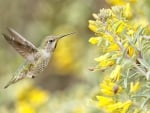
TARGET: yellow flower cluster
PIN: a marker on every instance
(110, 106)
(120, 2)
(30, 99)
(109, 89)
(113, 33)
(120, 43)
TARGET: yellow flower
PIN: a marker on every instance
(130, 32)
(116, 73)
(126, 106)
(109, 105)
(120, 2)
(107, 59)
(93, 26)
(116, 2)
(108, 37)
(109, 88)
(107, 56)
(119, 26)
(38, 97)
(102, 57)
(106, 63)
(112, 47)
(134, 87)
(94, 40)
(104, 101)
(119, 107)
(128, 12)
(24, 107)
(33, 97)
(131, 51)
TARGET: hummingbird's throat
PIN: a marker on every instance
(46, 54)
(51, 47)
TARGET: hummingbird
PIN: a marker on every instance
(36, 59)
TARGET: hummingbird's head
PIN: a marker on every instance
(51, 42)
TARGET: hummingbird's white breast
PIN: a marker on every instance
(45, 54)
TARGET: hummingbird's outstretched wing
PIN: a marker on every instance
(23, 46)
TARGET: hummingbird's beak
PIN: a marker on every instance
(59, 37)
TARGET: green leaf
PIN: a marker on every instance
(148, 75)
(139, 32)
(144, 63)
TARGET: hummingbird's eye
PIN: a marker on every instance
(50, 41)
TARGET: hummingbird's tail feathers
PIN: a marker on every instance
(13, 80)
(6, 86)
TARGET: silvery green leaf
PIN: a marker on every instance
(145, 102)
(148, 75)
(139, 32)
(125, 82)
(144, 63)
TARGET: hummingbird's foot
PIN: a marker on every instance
(33, 76)
(30, 75)
(6, 86)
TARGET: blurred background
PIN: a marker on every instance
(66, 86)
